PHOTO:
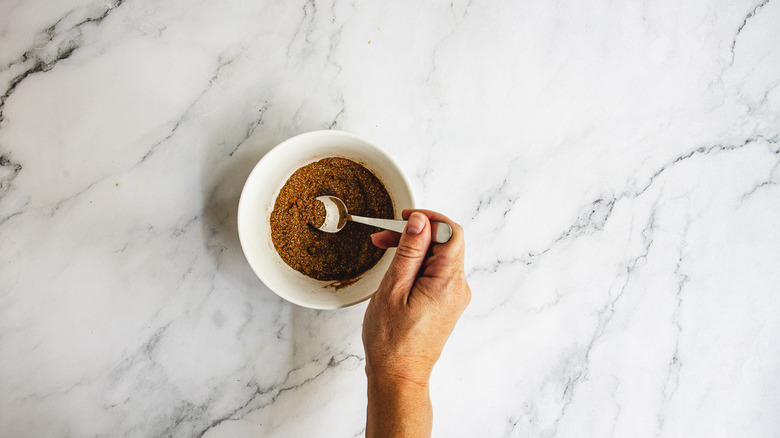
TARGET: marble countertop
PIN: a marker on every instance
(615, 167)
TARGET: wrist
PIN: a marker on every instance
(397, 407)
(400, 370)
(397, 382)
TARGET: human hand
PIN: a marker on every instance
(418, 302)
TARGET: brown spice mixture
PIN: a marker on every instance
(329, 256)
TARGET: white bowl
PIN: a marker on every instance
(257, 201)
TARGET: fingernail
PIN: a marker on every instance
(416, 223)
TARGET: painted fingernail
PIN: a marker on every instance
(416, 223)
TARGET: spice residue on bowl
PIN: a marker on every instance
(320, 255)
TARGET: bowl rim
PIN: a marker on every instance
(268, 157)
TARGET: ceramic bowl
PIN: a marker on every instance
(257, 201)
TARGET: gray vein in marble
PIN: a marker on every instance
(606, 314)
(278, 389)
(149, 346)
(59, 392)
(769, 180)
(493, 193)
(618, 406)
(19, 212)
(704, 150)
(752, 191)
(57, 206)
(596, 214)
(37, 54)
(466, 8)
(765, 97)
(9, 170)
(334, 124)
(5, 219)
(593, 219)
(309, 11)
(424, 169)
(437, 46)
(589, 222)
(604, 318)
(750, 15)
(257, 122)
(675, 364)
(189, 110)
(504, 263)
(142, 357)
(335, 41)
(178, 230)
(248, 312)
(511, 425)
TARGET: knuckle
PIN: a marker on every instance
(461, 289)
(458, 236)
(458, 228)
(408, 251)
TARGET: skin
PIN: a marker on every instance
(407, 323)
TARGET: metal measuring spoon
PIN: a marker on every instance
(336, 216)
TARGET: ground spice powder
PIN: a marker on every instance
(329, 256)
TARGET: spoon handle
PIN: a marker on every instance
(440, 231)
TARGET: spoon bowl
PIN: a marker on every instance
(336, 214)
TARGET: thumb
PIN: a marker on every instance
(409, 255)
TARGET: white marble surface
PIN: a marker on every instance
(615, 166)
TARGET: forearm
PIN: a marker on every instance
(398, 408)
